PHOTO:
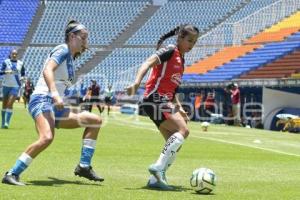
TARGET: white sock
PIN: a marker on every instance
(169, 151)
(170, 161)
(25, 158)
(89, 143)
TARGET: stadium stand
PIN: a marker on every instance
(250, 8)
(119, 14)
(221, 57)
(119, 68)
(15, 19)
(261, 56)
(283, 67)
(115, 16)
(4, 52)
(279, 31)
(203, 14)
(231, 62)
(236, 29)
(34, 58)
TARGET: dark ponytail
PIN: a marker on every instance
(70, 26)
(181, 31)
(166, 36)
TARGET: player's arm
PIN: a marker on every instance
(150, 62)
(88, 94)
(48, 74)
(3, 71)
(161, 56)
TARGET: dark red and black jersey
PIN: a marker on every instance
(166, 77)
(95, 90)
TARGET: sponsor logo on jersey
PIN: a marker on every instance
(176, 78)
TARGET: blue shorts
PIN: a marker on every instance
(39, 104)
(11, 91)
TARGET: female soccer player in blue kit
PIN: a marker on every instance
(13, 71)
(47, 107)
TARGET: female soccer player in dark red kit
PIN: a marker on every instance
(160, 101)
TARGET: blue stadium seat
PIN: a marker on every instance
(15, 19)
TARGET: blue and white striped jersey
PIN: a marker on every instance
(17, 71)
(64, 74)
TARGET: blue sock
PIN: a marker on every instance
(21, 164)
(8, 116)
(18, 168)
(87, 152)
(3, 112)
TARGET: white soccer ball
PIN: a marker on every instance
(204, 126)
(203, 180)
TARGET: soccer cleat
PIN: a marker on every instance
(160, 176)
(5, 126)
(12, 179)
(159, 185)
(87, 172)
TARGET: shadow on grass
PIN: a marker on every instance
(175, 188)
(209, 194)
(56, 182)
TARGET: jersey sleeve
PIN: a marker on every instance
(2, 69)
(59, 55)
(165, 53)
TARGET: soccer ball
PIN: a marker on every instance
(204, 126)
(203, 180)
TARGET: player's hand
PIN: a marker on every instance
(131, 90)
(58, 102)
(184, 114)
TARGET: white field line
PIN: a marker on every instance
(246, 145)
(212, 139)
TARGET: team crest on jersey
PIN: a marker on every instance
(178, 60)
(176, 78)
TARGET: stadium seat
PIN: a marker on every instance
(15, 19)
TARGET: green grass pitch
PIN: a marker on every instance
(250, 164)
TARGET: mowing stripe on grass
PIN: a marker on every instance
(120, 122)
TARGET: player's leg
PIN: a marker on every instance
(108, 108)
(13, 94)
(99, 105)
(152, 182)
(102, 107)
(91, 104)
(175, 130)
(5, 94)
(45, 127)
(3, 111)
(25, 99)
(92, 123)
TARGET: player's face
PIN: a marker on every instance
(187, 43)
(80, 42)
(14, 55)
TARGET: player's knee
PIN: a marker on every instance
(185, 132)
(46, 140)
(98, 120)
(95, 120)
